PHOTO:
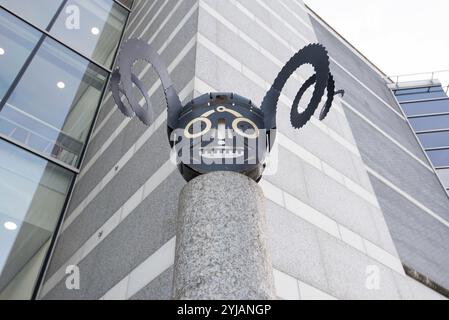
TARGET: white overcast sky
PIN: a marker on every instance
(399, 36)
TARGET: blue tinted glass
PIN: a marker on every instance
(420, 93)
(430, 123)
(97, 32)
(17, 40)
(439, 158)
(418, 90)
(52, 108)
(444, 177)
(38, 12)
(434, 139)
(428, 107)
(32, 195)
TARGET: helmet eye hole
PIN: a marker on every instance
(245, 128)
(197, 128)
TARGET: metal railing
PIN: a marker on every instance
(437, 77)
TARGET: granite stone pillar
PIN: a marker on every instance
(221, 246)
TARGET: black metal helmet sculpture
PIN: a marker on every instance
(221, 131)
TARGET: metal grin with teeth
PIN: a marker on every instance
(221, 131)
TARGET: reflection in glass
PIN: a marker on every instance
(420, 93)
(52, 108)
(17, 40)
(37, 12)
(434, 139)
(32, 195)
(430, 123)
(439, 158)
(99, 31)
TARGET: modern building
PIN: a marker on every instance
(355, 208)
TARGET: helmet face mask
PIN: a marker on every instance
(222, 131)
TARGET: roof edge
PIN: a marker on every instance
(348, 44)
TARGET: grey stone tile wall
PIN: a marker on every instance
(419, 238)
(159, 289)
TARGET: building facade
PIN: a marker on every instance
(55, 59)
(426, 105)
(354, 207)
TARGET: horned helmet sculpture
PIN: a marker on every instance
(221, 131)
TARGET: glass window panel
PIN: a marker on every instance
(32, 195)
(444, 176)
(430, 123)
(52, 108)
(100, 28)
(427, 107)
(434, 139)
(418, 90)
(17, 40)
(420, 93)
(38, 12)
(439, 158)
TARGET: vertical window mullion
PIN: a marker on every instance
(55, 17)
(20, 74)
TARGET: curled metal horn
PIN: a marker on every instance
(123, 79)
(298, 120)
(331, 93)
(145, 114)
(315, 55)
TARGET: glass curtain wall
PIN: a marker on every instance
(427, 110)
(55, 57)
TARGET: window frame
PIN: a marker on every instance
(44, 34)
(48, 30)
(415, 96)
(80, 68)
(70, 186)
(417, 133)
(424, 114)
(49, 254)
(39, 281)
(445, 115)
(445, 150)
